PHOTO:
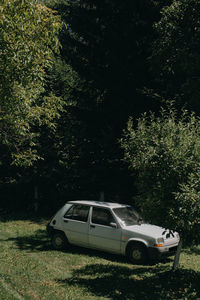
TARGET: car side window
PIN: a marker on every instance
(102, 216)
(78, 213)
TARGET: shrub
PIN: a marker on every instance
(164, 151)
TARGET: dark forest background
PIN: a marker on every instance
(117, 59)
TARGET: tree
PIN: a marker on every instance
(164, 151)
(28, 38)
(176, 59)
(100, 75)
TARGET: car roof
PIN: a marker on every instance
(97, 203)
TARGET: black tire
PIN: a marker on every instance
(137, 254)
(59, 241)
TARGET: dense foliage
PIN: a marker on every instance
(165, 152)
(115, 59)
(28, 37)
(100, 75)
(176, 57)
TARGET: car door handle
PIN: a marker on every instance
(66, 221)
(92, 226)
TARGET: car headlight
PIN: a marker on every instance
(160, 242)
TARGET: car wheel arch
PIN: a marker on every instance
(135, 242)
(140, 245)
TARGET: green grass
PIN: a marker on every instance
(30, 269)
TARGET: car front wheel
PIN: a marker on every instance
(59, 241)
(137, 254)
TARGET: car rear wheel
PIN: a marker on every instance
(59, 241)
(137, 253)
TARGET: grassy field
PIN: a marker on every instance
(30, 269)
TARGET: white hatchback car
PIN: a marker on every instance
(110, 227)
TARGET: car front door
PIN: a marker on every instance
(75, 224)
(103, 234)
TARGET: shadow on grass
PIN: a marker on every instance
(8, 217)
(193, 250)
(123, 283)
(37, 242)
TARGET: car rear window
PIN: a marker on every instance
(78, 212)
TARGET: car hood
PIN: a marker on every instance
(146, 229)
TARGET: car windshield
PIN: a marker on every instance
(127, 215)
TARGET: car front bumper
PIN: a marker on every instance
(159, 252)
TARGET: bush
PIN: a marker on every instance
(164, 150)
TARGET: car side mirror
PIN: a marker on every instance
(112, 224)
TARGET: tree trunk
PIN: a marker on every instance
(177, 256)
(35, 204)
(102, 196)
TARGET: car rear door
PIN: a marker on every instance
(102, 234)
(75, 224)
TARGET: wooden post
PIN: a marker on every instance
(177, 256)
